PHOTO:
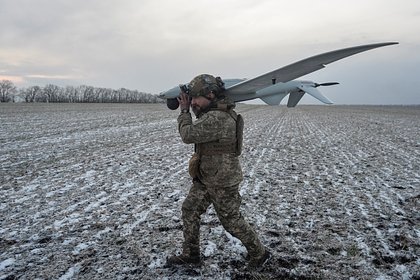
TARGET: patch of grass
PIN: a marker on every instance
(353, 250)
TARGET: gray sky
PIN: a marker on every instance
(153, 45)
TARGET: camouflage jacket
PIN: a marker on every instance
(215, 126)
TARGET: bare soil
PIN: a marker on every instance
(94, 191)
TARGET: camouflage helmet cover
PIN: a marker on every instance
(204, 84)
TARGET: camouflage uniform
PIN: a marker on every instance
(217, 182)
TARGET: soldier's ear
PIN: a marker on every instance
(211, 95)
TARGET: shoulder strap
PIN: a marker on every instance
(239, 133)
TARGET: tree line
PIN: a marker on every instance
(72, 94)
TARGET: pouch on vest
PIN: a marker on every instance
(239, 134)
(194, 165)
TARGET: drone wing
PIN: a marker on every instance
(298, 69)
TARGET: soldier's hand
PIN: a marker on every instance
(184, 101)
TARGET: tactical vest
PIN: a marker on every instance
(217, 147)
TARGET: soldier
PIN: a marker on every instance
(215, 169)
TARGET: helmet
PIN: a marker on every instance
(204, 84)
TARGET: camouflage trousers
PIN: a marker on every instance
(226, 201)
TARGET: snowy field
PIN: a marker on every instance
(91, 191)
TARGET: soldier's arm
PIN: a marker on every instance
(205, 129)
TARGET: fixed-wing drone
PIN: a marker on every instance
(275, 85)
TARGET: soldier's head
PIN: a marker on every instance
(203, 90)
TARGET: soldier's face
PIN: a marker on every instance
(198, 104)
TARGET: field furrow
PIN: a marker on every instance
(93, 191)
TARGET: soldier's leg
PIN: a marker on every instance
(227, 201)
(194, 205)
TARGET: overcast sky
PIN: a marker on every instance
(153, 45)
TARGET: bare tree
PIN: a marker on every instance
(71, 94)
(7, 89)
(51, 92)
(31, 93)
(83, 93)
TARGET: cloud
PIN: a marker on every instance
(151, 45)
(13, 79)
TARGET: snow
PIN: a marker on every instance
(94, 191)
(70, 273)
(6, 263)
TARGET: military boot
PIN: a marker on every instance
(256, 263)
(183, 259)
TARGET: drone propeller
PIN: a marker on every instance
(326, 84)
